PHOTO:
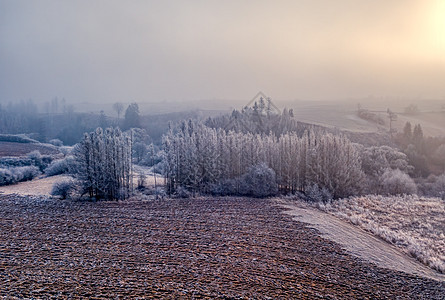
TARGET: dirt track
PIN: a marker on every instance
(236, 248)
(358, 241)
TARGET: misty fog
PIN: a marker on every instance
(155, 51)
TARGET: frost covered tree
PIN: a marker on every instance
(103, 164)
(396, 182)
(202, 159)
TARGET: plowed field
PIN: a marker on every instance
(192, 248)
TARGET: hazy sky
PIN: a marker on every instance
(189, 50)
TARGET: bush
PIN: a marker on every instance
(6, 177)
(259, 181)
(433, 186)
(10, 162)
(63, 188)
(56, 142)
(225, 187)
(66, 150)
(182, 192)
(17, 174)
(25, 173)
(396, 182)
(316, 194)
(60, 166)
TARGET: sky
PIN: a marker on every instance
(150, 51)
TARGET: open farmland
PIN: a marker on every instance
(206, 247)
(21, 149)
(343, 115)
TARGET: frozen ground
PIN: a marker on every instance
(225, 248)
(37, 187)
(357, 241)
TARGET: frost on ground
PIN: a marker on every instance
(356, 240)
(36, 187)
(415, 224)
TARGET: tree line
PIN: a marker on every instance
(202, 159)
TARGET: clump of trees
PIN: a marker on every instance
(18, 174)
(103, 164)
(200, 158)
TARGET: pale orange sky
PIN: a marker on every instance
(188, 50)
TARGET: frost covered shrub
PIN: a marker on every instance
(39, 160)
(259, 181)
(56, 142)
(66, 150)
(396, 182)
(433, 186)
(225, 187)
(316, 194)
(63, 188)
(182, 192)
(25, 173)
(8, 162)
(6, 177)
(17, 174)
(60, 166)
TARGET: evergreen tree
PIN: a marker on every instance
(132, 118)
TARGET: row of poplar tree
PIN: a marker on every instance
(198, 158)
(103, 164)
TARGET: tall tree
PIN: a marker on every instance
(103, 164)
(132, 118)
(118, 108)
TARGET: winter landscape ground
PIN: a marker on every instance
(194, 248)
(415, 224)
(204, 247)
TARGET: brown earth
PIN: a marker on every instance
(21, 149)
(189, 248)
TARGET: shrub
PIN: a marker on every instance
(60, 166)
(63, 188)
(316, 194)
(182, 192)
(17, 174)
(6, 177)
(396, 182)
(225, 187)
(433, 186)
(39, 160)
(56, 142)
(66, 150)
(9, 162)
(259, 181)
(25, 173)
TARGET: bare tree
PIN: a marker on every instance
(119, 108)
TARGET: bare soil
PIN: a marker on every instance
(187, 248)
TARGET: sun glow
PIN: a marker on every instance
(437, 24)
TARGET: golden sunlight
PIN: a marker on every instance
(437, 25)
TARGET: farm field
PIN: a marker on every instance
(21, 149)
(343, 115)
(205, 247)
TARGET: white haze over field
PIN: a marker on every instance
(152, 51)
